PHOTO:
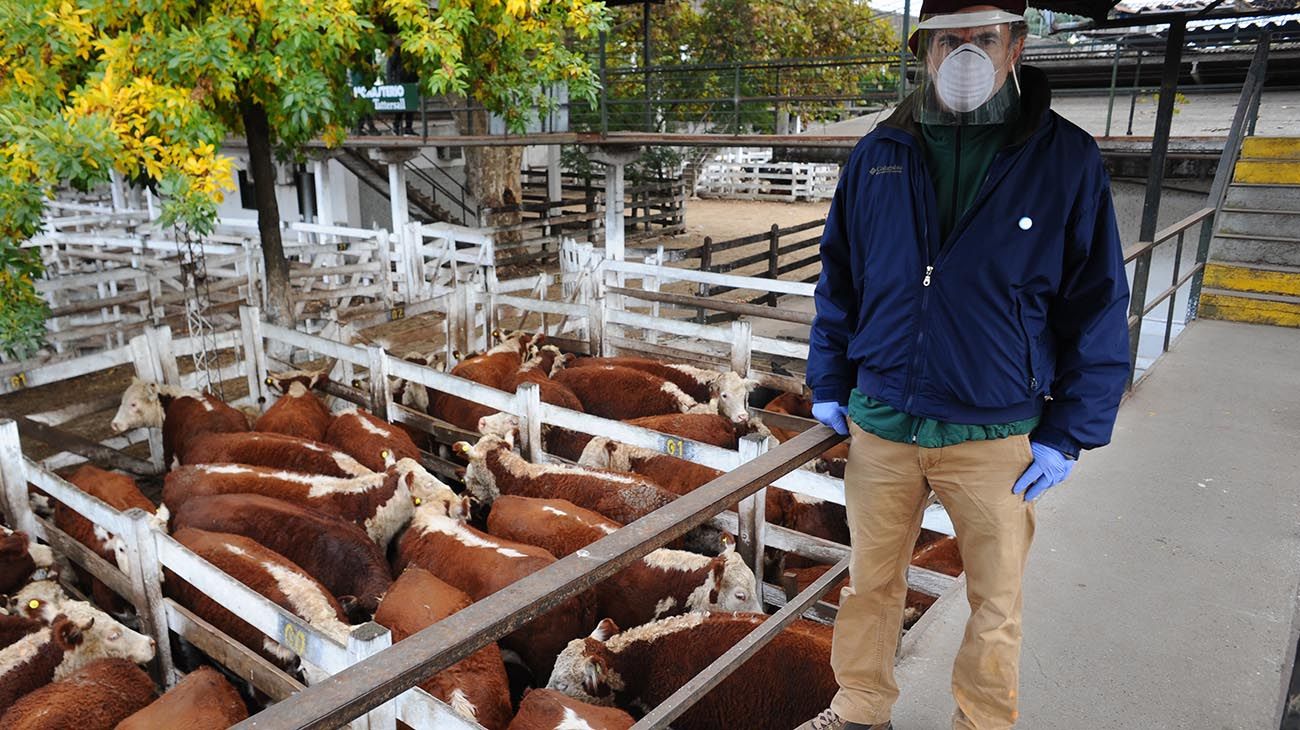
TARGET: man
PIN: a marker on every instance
(971, 336)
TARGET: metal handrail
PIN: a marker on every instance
(374, 681)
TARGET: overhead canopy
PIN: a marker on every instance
(1116, 13)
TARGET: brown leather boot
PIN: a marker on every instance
(828, 720)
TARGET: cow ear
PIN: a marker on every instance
(387, 456)
(719, 567)
(67, 633)
(351, 606)
(728, 544)
(605, 630)
(460, 447)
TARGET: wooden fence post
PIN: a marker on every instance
(706, 260)
(365, 641)
(160, 345)
(380, 397)
(528, 398)
(146, 577)
(773, 244)
(13, 476)
(596, 326)
(250, 325)
(147, 367)
(752, 540)
(742, 342)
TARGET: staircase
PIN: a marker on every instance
(1254, 270)
(375, 176)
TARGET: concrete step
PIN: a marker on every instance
(1237, 277)
(1275, 309)
(1259, 250)
(1259, 222)
(1263, 197)
(1275, 172)
(1271, 148)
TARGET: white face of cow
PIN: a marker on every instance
(40, 599)
(738, 590)
(140, 407)
(582, 670)
(102, 637)
(479, 479)
(502, 425)
(732, 395)
(426, 489)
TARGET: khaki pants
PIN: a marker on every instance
(885, 486)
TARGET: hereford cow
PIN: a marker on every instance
(663, 583)
(788, 681)
(120, 492)
(181, 413)
(379, 503)
(79, 635)
(494, 469)
(298, 412)
(701, 384)
(96, 697)
(539, 370)
(481, 565)
(330, 549)
(706, 428)
(369, 440)
(273, 450)
(676, 475)
(491, 368)
(266, 572)
(475, 687)
(546, 709)
(15, 627)
(203, 700)
(39, 600)
(622, 393)
(939, 554)
(21, 559)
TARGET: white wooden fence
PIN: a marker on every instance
(750, 174)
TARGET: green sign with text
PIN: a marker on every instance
(390, 97)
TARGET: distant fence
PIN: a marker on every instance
(750, 174)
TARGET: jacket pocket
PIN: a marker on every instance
(1031, 349)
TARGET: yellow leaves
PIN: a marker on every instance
(517, 8)
(24, 79)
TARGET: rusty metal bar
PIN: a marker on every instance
(372, 682)
(1141, 247)
(683, 699)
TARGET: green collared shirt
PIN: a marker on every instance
(892, 424)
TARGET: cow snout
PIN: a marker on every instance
(742, 417)
(118, 426)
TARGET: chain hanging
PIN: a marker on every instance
(198, 305)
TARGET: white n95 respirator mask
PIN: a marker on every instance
(965, 79)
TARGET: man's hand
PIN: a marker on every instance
(1050, 467)
(832, 414)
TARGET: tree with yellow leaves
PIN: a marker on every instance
(153, 89)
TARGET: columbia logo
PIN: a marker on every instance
(887, 169)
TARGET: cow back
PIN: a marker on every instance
(546, 709)
(299, 413)
(188, 416)
(203, 700)
(95, 697)
(556, 525)
(275, 450)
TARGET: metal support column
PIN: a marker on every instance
(1155, 176)
(1114, 79)
(902, 50)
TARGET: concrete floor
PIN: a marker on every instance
(1162, 586)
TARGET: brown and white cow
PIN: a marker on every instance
(706, 428)
(676, 475)
(95, 697)
(476, 687)
(15, 627)
(330, 549)
(370, 440)
(702, 384)
(494, 469)
(547, 709)
(79, 635)
(481, 565)
(120, 492)
(265, 571)
(558, 526)
(490, 368)
(39, 600)
(273, 450)
(298, 411)
(381, 504)
(181, 413)
(203, 700)
(787, 682)
(622, 393)
(834, 459)
(21, 559)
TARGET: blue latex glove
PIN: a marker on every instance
(832, 414)
(1050, 468)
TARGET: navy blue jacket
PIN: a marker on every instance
(1022, 311)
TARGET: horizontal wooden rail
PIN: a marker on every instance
(1137, 249)
(374, 681)
(751, 310)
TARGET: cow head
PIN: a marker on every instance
(308, 379)
(480, 481)
(104, 638)
(428, 490)
(141, 407)
(584, 670)
(40, 599)
(731, 392)
(734, 585)
(503, 425)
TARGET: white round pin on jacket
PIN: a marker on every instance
(1026, 223)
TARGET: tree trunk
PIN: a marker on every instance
(492, 175)
(257, 130)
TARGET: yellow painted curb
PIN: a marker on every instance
(1272, 148)
(1271, 172)
(1255, 311)
(1249, 279)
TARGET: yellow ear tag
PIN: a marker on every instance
(417, 501)
(33, 604)
(269, 381)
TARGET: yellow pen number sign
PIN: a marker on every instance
(396, 313)
(17, 380)
(675, 447)
(294, 638)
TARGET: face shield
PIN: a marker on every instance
(968, 71)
